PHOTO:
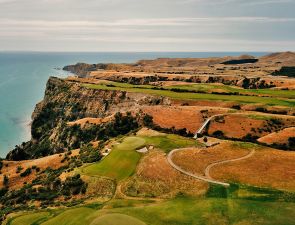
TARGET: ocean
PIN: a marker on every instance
(23, 77)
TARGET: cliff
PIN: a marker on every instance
(65, 102)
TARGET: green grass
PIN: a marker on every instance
(131, 143)
(71, 217)
(115, 219)
(228, 88)
(32, 218)
(120, 163)
(184, 210)
(196, 96)
(238, 204)
(170, 141)
(260, 117)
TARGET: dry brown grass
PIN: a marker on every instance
(82, 122)
(267, 167)
(195, 160)
(240, 124)
(235, 126)
(189, 117)
(156, 178)
(280, 137)
(16, 181)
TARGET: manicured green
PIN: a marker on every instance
(32, 218)
(120, 163)
(130, 143)
(116, 219)
(170, 141)
(199, 96)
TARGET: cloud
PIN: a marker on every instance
(140, 22)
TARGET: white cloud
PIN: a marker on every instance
(140, 22)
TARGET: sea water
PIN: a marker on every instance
(23, 77)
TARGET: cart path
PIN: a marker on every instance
(207, 176)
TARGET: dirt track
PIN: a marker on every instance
(207, 176)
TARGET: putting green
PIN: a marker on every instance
(115, 219)
(131, 143)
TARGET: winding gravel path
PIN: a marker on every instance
(207, 176)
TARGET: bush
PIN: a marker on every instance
(5, 181)
(218, 133)
(27, 172)
(18, 169)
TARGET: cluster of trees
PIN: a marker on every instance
(122, 124)
(49, 187)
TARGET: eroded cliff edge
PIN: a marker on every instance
(66, 102)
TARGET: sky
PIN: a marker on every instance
(147, 25)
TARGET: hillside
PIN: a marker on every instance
(164, 141)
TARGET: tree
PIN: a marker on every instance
(5, 180)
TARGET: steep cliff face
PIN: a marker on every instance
(66, 101)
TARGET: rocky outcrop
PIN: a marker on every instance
(83, 69)
(66, 101)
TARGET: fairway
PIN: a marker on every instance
(71, 217)
(115, 219)
(32, 218)
(120, 163)
(197, 96)
(182, 210)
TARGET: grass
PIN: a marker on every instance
(32, 218)
(185, 211)
(71, 217)
(120, 163)
(228, 88)
(260, 117)
(238, 204)
(115, 219)
(195, 96)
(170, 141)
(131, 143)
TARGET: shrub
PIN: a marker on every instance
(218, 133)
(27, 172)
(5, 181)
(18, 169)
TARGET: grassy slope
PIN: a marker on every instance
(196, 96)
